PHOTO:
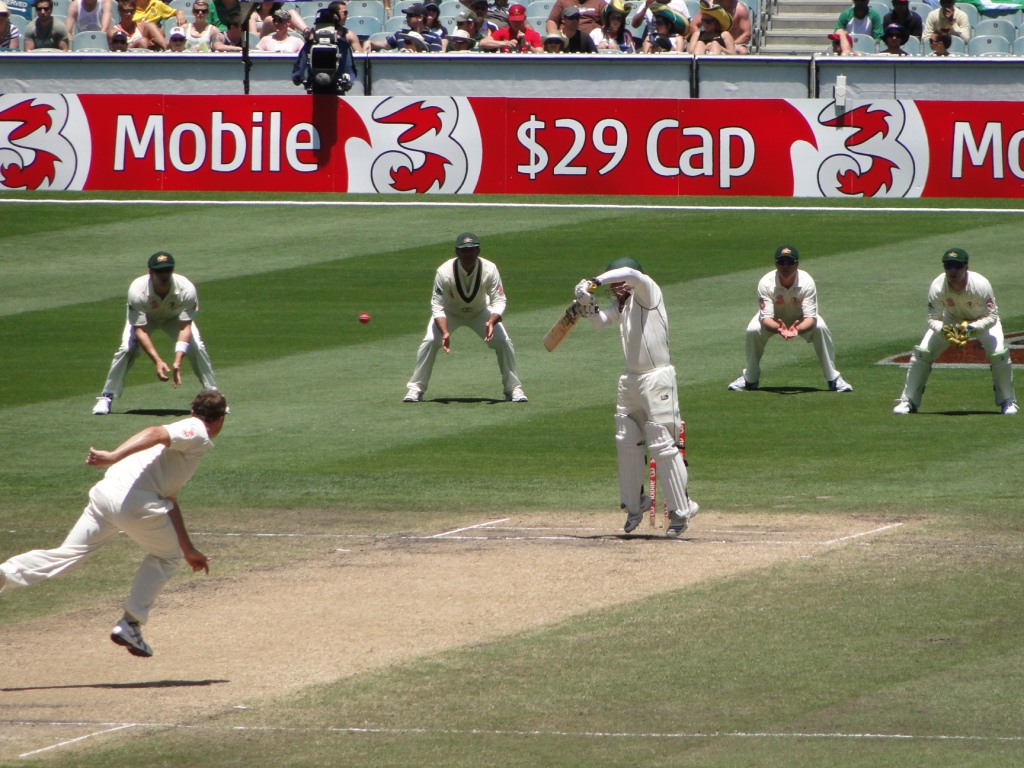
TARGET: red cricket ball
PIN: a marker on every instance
(364, 317)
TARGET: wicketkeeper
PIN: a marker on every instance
(647, 409)
(961, 306)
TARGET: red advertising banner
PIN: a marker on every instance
(790, 148)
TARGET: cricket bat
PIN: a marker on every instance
(561, 328)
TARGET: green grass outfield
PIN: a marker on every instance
(888, 655)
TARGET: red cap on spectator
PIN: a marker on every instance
(517, 13)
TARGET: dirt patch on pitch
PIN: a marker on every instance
(374, 602)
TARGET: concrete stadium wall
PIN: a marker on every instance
(541, 76)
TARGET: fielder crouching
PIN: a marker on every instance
(647, 409)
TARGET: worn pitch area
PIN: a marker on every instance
(360, 603)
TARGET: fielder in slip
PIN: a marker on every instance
(647, 409)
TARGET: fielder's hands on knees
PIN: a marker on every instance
(446, 343)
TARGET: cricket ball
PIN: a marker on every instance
(364, 317)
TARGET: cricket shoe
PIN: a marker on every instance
(903, 407)
(742, 385)
(1009, 408)
(102, 407)
(633, 520)
(838, 384)
(412, 395)
(678, 522)
(128, 634)
(516, 396)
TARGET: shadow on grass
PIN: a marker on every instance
(464, 400)
(791, 390)
(148, 684)
(960, 413)
(158, 412)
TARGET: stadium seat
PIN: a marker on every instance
(971, 11)
(447, 21)
(398, 8)
(539, 7)
(880, 8)
(995, 28)
(450, 8)
(693, 6)
(394, 24)
(538, 21)
(988, 46)
(958, 46)
(864, 43)
(921, 9)
(1018, 46)
(374, 8)
(912, 46)
(90, 41)
(378, 37)
(364, 26)
(179, 5)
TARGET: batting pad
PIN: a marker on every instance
(629, 443)
(671, 469)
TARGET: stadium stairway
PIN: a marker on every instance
(801, 26)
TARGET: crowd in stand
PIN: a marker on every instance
(946, 29)
(704, 27)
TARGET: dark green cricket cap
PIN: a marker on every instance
(959, 255)
(161, 260)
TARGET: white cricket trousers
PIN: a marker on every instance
(933, 344)
(129, 350)
(500, 343)
(757, 338)
(140, 514)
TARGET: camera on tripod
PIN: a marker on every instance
(327, 73)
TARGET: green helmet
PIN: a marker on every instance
(625, 261)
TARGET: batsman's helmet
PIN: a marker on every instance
(625, 261)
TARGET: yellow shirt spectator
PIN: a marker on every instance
(152, 11)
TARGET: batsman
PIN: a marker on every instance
(647, 409)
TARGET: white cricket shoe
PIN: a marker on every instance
(128, 634)
(742, 385)
(516, 396)
(678, 522)
(903, 407)
(838, 384)
(633, 520)
(1009, 408)
(102, 407)
(412, 395)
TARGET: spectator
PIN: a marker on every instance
(613, 34)
(948, 15)
(262, 20)
(118, 42)
(836, 39)
(555, 42)
(231, 41)
(497, 14)
(139, 34)
(432, 22)
(222, 11)
(282, 41)
(485, 26)
(201, 35)
(412, 42)
(45, 32)
(665, 34)
(460, 41)
(579, 41)
(155, 11)
(861, 19)
(89, 16)
(589, 14)
(10, 35)
(906, 18)
(894, 37)
(176, 41)
(710, 34)
(517, 37)
(940, 43)
(414, 22)
(466, 21)
(645, 13)
(740, 29)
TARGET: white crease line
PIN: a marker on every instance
(532, 733)
(80, 738)
(538, 206)
(467, 528)
(866, 533)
